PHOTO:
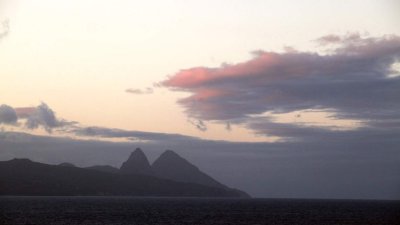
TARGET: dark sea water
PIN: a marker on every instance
(141, 211)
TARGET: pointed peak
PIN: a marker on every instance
(137, 163)
(138, 150)
(174, 167)
(169, 152)
(137, 154)
(172, 158)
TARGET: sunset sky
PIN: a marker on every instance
(81, 57)
(237, 71)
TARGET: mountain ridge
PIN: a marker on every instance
(170, 165)
(26, 177)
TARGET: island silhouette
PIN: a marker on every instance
(169, 175)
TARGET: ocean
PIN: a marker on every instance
(194, 211)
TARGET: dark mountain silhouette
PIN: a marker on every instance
(104, 168)
(24, 177)
(173, 167)
(170, 166)
(137, 164)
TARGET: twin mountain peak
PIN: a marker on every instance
(169, 166)
(169, 175)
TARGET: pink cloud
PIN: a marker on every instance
(352, 80)
(194, 77)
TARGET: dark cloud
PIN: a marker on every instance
(351, 81)
(7, 115)
(35, 117)
(4, 28)
(133, 135)
(42, 116)
(228, 126)
(376, 133)
(341, 40)
(139, 91)
(199, 124)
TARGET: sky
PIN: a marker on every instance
(315, 83)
